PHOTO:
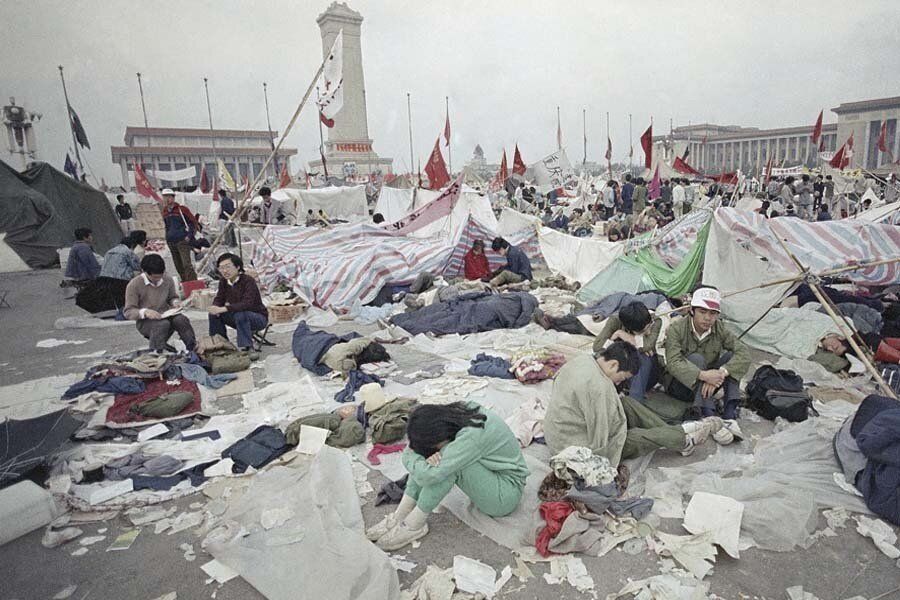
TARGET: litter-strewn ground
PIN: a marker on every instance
(839, 567)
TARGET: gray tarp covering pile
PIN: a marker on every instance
(41, 208)
(298, 532)
(471, 313)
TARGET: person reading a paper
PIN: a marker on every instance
(237, 303)
(152, 300)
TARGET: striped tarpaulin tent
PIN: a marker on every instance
(673, 242)
(341, 265)
(526, 239)
(818, 246)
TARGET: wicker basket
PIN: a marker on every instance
(202, 299)
(284, 313)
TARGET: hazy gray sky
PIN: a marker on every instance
(505, 65)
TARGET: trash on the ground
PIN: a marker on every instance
(434, 584)
(664, 587)
(220, 469)
(152, 432)
(102, 530)
(836, 517)
(189, 554)
(571, 569)
(842, 483)
(275, 517)
(719, 515)
(90, 541)
(124, 541)
(634, 546)
(54, 539)
(695, 552)
(24, 507)
(220, 572)
(797, 593)
(66, 592)
(150, 514)
(186, 520)
(505, 576)
(169, 596)
(401, 564)
(80, 552)
(473, 576)
(522, 572)
(311, 439)
(53, 343)
(880, 532)
(98, 495)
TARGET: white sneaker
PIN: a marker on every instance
(381, 528)
(696, 432)
(400, 536)
(729, 432)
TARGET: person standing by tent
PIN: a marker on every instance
(609, 198)
(125, 214)
(269, 213)
(678, 198)
(818, 193)
(148, 297)
(181, 225)
(475, 263)
(628, 196)
(82, 266)
(640, 197)
(518, 267)
(226, 210)
(585, 410)
(702, 356)
(805, 190)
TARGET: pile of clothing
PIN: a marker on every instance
(534, 366)
(580, 494)
(485, 365)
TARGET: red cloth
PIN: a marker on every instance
(647, 145)
(284, 179)
(518, 163)
(882, 137)
(436, 169)
(817, 128)
(554, 514)
(204, 180)
(379, 449)
(654, 190)
(447, 129)
(682, 166)
(142, 184)
(476, 266)
(840, 158)
(118, 413)
(504, 171)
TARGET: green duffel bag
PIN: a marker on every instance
(163, 407)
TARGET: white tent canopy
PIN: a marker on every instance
(337, 202)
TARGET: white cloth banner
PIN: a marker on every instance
(553, 171)
(577, 258)
(179, 175)
(331, 98)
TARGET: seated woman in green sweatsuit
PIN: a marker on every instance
(461, 444)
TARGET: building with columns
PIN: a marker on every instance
(171, 149)
(349, 152)
(717, 148)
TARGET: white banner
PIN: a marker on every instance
(179, 175)
(554, 171)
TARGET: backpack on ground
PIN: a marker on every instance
(774, 393)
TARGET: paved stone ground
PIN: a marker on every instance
(834, 568)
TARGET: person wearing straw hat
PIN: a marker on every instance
(703, 357)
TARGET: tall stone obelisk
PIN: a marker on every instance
(348, 150)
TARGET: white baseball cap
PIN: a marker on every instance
(167, 192)
(707, 298)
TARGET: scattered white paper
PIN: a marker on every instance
(571, 569)
(402, 565)
(220, 469)
(186, 520)
(473, 576)
(505, 575)
(108, 492)
(53, 343)
(220, 572)
(189, 554)
(836, 517)
(311, 439)
(880, 532)
(90, 541)
(152, 432)
(65, 592)
(80, 552)
(796, 593)
(169, 596)
(720, 515)
(275, 517)
(842, 483)
(96, 354)
(695, 552)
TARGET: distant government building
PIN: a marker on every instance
(715, 148)
(172, 149)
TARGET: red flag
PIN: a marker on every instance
(504, 171)
(447, 129)
(850, 141)
(654, 190)
(608, 149)
(647, 145)
(840, 158)
(284, 179)
(682, 166)
(518, 163)
(142, 185)
(436, 169)
(329, 123)
(817, 128)
(204, 180)
(882, 138)
(822, 144)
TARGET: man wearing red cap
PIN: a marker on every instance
(702, 357)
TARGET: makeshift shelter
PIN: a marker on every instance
(41, 208)
(26, 443)
(394, 204)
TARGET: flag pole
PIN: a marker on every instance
(609, 146)
(269, 123)
(558, 131)
(212, 136)
(69, 117)
(584, 135)
(409, 123)
(146, 123)
(449, 147)
(630, 148)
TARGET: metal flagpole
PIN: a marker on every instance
(584, 134)
(608, 144)
(212, 137)
(69, 117)
(409, 122)
(630, 148)
(146, 122)
(449, 152)
(558, 131)
(269, 125)
(321, 138)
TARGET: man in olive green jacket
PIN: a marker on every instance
(703, 356)
(635, 324)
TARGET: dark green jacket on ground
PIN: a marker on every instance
(831, 361)
(681, 342)
(344, 432)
